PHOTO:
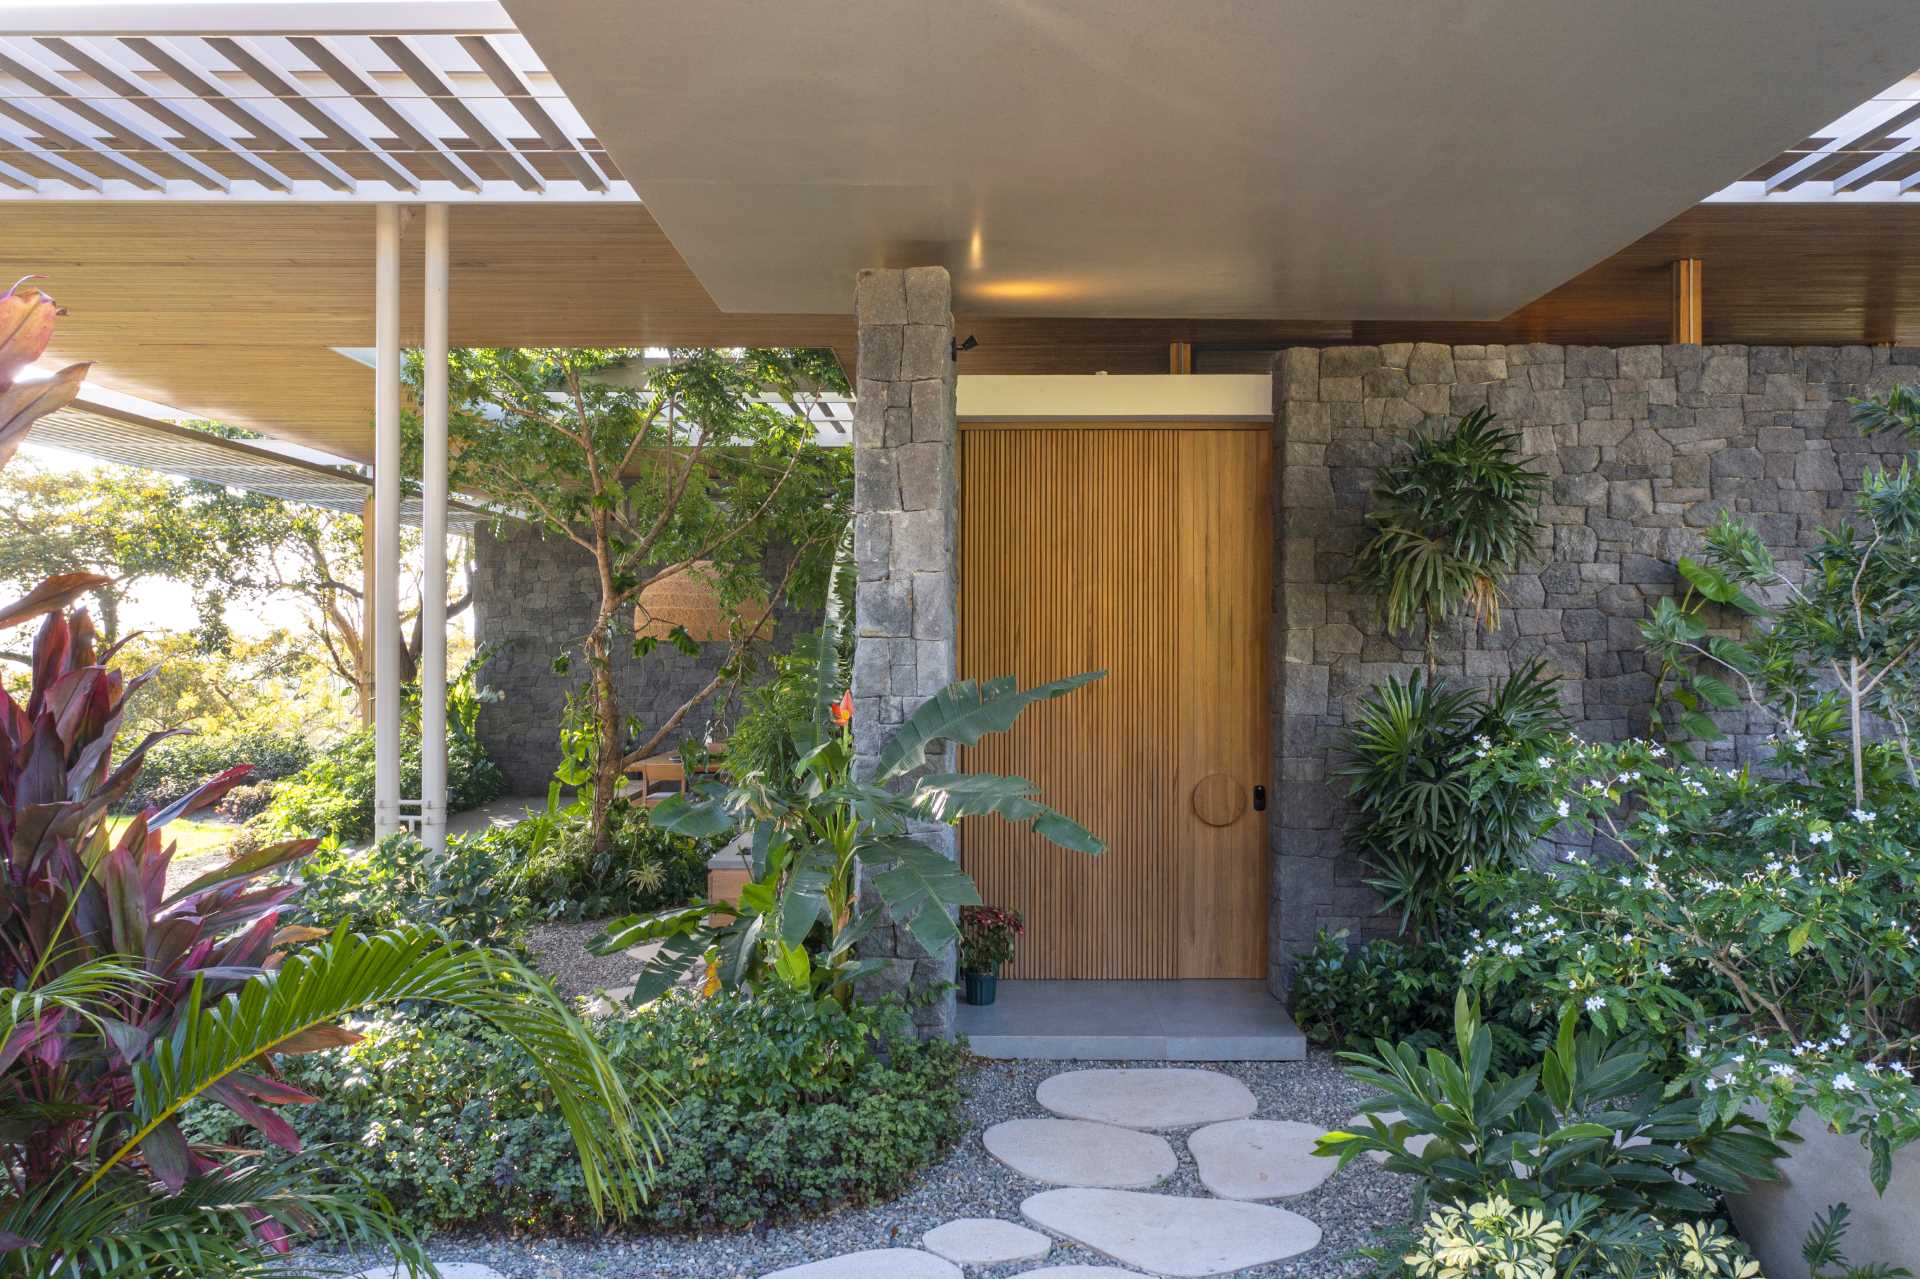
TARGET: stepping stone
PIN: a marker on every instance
(1147, 1098)
(1415, 1144)
(1080, 1272)
(1074, 1152)
(1171, 1234)
(875, 1263)
(986, 1241)
(448, 1270)
(1259, 1158)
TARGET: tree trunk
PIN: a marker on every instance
(606, 694)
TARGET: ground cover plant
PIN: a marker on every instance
(783, 1105)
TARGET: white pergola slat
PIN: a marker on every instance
(1870, 154)
(438, 100)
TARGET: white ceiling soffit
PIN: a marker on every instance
(354, 100)
(1367, 159)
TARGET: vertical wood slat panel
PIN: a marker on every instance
(1090, 548)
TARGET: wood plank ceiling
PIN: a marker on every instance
(229, 309)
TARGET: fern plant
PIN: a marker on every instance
(1449, 524)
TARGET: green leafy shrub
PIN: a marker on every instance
(469, 893)
(1496, 1237)
(644, 868)
(180, 765)
(761, 740)
(1756, 910)
(333, 795)
(787, 1106)
(1347, 996)
(491, 884)
(1590, 1122)
(1418, 820)
(1449, 522)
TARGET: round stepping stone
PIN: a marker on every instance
(1415, 1144)
(1075, 1152)
(1171, 1234)
(1259, 1158)
(1147, 1098)
(986, 1241)
(875, 1263)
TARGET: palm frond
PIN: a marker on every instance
(613, 1131)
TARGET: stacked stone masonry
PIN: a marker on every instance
(1643, 447)
(905, 540)
(533, 598)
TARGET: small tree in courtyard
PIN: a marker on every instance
(706, 464)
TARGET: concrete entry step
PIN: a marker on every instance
(1134, 1021)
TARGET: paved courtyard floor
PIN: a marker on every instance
(1070, 1170)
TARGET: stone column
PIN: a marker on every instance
(905, 537)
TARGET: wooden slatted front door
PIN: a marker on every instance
(1145, 549)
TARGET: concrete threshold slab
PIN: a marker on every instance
(1133, 1021)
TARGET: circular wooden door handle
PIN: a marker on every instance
(1219, 799)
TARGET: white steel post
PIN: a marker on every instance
(433, 534)
(383, 609)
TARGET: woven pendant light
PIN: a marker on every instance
(691, 599)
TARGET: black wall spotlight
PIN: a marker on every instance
(965, 345)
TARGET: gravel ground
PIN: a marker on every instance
(560, 951)
(971, 1183)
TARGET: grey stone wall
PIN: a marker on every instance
(906, 535)
(1644, 446)
(534, 597)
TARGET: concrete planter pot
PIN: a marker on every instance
(1829, 1168)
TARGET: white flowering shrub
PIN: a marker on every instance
(1496, 1239)
(1762, 919)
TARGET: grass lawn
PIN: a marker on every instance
(191, 838)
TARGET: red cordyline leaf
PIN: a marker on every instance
(50, 596)
(26, 326)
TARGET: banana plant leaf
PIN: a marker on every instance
(920, 887)
(964, 712)
(946, 797)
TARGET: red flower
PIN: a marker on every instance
(842, 710)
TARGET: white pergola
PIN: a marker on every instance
(404, 107)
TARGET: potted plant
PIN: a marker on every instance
(987, 935)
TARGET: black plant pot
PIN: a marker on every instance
(982, 987)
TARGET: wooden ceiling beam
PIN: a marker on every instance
(48, 126)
